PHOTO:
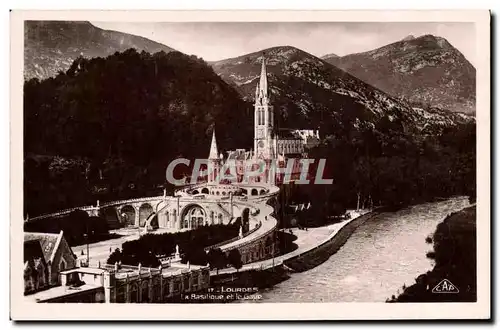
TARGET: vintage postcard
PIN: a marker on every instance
(250, 165)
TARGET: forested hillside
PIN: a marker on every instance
(108, 127)
(113, 124)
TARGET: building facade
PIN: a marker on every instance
(127, 284)
(45, 256)
(272, 146)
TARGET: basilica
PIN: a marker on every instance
(271, 145)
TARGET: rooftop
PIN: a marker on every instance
(60, 291)
(85, 270)
(48, 242)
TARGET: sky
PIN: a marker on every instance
(220, 40)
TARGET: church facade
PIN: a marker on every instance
(275, 148)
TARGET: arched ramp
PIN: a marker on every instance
(194, 216)
(127, 215)
(144, 212)
(111, 216)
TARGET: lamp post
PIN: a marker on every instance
(274, 246)
(86, 235)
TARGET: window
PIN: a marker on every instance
(41, 275)
(120, 295)
(134, 293)
(145, 292)
(62, 264)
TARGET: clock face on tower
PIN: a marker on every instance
(261, 144)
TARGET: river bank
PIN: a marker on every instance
(380, 256)
(307, 256)
(329, 247)
(454, 253)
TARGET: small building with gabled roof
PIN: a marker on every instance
(45, 256)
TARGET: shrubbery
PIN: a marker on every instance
(116, 115)
(191, 245)
(134, 104)
(76, 226)
(454, 253)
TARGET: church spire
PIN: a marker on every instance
(214, 152)
(263, 79)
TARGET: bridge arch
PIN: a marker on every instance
(112, 218)
(254, 192)
(205, 191)
(262, 192)
(127, 215)
(145, 211)
(193, 216)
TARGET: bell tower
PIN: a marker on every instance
(214, 160)
(264, 118)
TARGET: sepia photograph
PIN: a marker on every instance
(239, 162)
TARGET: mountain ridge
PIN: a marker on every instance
(425, 71)
(302, 84)
(52, 46)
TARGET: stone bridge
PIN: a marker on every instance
(190, 208)
(130, 212)
(193, 207)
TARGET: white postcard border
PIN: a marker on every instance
(22, 309)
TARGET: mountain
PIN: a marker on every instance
(107, 128)
(309, 92)
(425, 71)
(118, 121)
(375, 145)
(170, 97)
(51, 46)
(328, 56)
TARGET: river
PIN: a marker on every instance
(381, 255)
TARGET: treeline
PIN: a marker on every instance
(454, 254)
(79, 228)
(191, 244)
(118, 122)
(388, 168)
(107, 128)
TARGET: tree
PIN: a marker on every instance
(167, 97)
(98, 225)
(114, 257)
(195, 256)
(217, 259)
(234, 259)
(75, 226)
(245, 219)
